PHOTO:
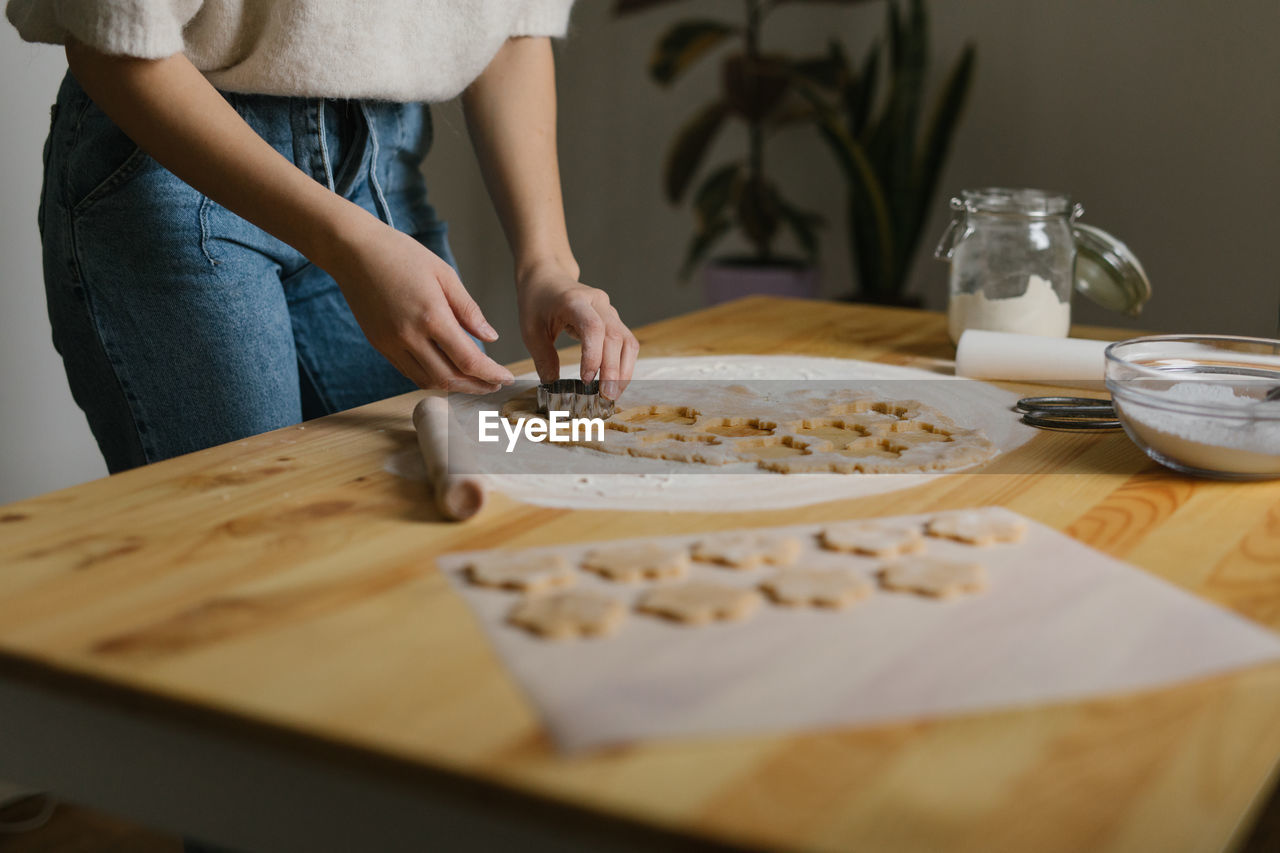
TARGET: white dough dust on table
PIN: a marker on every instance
(558, 475)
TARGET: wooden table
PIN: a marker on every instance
(224, 629)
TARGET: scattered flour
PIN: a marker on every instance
(1246, 440)
(1036, 312)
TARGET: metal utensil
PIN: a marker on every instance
(580, 399)
(1082, 414)
(1069, 414)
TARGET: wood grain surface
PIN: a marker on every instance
(285, 583)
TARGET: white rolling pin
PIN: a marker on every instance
(458, 487)
(1031, 358)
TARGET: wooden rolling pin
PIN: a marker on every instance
(458, 487)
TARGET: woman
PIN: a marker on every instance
(236, 232)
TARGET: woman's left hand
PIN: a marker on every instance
(552, 300)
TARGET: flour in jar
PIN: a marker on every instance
(1036, 312)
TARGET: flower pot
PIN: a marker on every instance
(723, 281)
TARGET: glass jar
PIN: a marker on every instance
(1017, 255)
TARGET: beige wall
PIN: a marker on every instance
(1162, 117)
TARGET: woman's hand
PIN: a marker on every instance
(409, 302)
(552, 300)
(413, 308)
(511, 114)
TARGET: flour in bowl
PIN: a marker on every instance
(1245, 440)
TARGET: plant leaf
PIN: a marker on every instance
(828, 70)
(704, 239)
(803, 224)
(792, 113)
(861, 95)
(870, 222)
(689, 147)
(758, 215)
(683, 45)
(891, 144)
(755, 88)
(937, 141)
(717, 192)
(895, 35)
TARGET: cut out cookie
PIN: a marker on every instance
(700, 603)
(763, 450)
(934, 577)
(739, 427)
(852, 436)
(977, 527)
(521, 571)
(567, 615)
(836, 589)
(833, 433)
(748, 550)
(631, 563)
(680, 415)
(868, 537)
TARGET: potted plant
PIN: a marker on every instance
(891, 171)
(891, 167)
(757, 91)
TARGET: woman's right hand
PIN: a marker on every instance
(413, 308)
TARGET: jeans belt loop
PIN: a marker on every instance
(323, 136)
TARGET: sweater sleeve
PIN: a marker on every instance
(542, 18)
(147, 29)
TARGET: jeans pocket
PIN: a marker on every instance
(121, 175)
(101, 160)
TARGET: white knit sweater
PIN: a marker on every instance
(401, 50)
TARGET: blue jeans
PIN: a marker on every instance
(181, 325)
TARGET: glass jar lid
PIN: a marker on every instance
(1108, 272)
(1009, 201)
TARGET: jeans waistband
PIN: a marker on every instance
(325, 128)
(338, 142)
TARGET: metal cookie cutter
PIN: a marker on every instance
(1071, 414)
(580, 399)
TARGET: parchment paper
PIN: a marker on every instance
(1058, 621)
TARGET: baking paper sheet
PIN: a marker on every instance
(556, 475)
(1058, 621)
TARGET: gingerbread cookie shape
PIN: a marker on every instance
(977, 526)
(873, 538)
(748, 550)
(531, 573)
(645, 561)
(830, 588)
(700, 602)
(933, 576)
(858, 435)
(568, 615)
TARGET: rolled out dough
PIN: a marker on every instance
(851, 434)
(547, 474)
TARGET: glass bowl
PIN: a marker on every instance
(1196, 402)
